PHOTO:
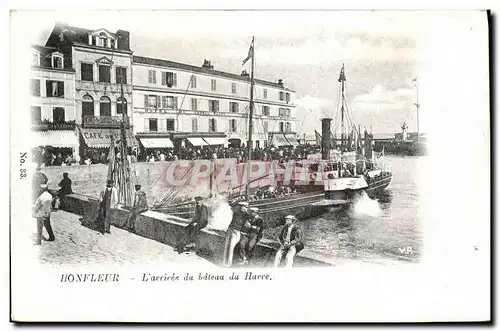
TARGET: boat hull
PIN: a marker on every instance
(377, 185)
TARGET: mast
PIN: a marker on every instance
(342, 81)
(418, 106)
(124, 186)
(250, 119)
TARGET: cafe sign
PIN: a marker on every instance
(100, 137)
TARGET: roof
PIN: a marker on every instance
(184, 66)
(46, 60)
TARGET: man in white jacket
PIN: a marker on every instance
(108, 202)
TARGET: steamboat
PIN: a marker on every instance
(344, 178)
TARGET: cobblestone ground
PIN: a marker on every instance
(78, 245)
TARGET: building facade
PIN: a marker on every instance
(204, 106)
(102, 66)
(53, 109)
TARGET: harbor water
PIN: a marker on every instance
(385, 228)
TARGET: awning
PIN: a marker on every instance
(56, 138)
(101, 138)
(197, 141)
(279, 140)
(159, 142)
(215, 140)
(291, 138)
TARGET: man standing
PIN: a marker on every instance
(140, 206)
(200, 221)
(251, 233)
(108, 202)
(41, 211)
(39, 178)
(233, 233)
(291, 241)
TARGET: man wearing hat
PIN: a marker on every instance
(291, 240)
(41, 211)
(39, 178)
(199, 221)
(139, 206)
(251, 233)
(108, 202)
(233, 233)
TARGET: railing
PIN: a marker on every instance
(114, 121)
(46, 125)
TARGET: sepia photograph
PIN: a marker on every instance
(195, 154)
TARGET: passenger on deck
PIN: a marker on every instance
(200, 221)
(251, 233)
(291, 240)
(233, 234)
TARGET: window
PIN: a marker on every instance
(121, 106)
(169, 79)
(87, 106)
(105, 106)
(213, 105)
(288, 127)
(288, 112)
(36, 114)
(152, 76)
(35, 59)
(233, 126)
(265, 110)
(193, 81)
(282, 127)
(287, 95)
(121, 75)
(104, 73)
(58, 115)
(194, 125)
(169, 102)
(35, 88)
(282, 96)
(87, 72)
(57, 61)
(212, 125)
(233, 107)
(194, 104)
(257, 144)
(170, 124)
(214, 85)
(265, 93)
(55, 89)
(281, 112)
(150, 101)
(153, 124)
(233, 88)
(265, 124)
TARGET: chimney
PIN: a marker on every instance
(326, 143)
(280, 83)
(123, 39)
(207, 64)
(244, 73)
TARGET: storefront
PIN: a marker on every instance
(279, 140)
(291, 139)
(55, 147)
(95, 143)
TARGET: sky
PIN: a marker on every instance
(383, 51)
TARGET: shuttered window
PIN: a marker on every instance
(55, 89)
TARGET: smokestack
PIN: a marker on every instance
(123, 39)
(326, 143)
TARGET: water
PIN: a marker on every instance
(374, 229)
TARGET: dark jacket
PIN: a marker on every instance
(253, 225)
(200, 216)
(65, 185)
(296, 236)
(140, 201)
(239, 219)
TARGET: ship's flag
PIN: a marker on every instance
(318, 137)
(250, 53)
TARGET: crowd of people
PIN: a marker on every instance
(56, 157)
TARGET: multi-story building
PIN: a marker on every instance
(102, 65)
(176, 102)
(53, 109)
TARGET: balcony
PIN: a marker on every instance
(38, 125)
(112, 88)
(105, 121)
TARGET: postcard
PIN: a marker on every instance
(250, 166)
